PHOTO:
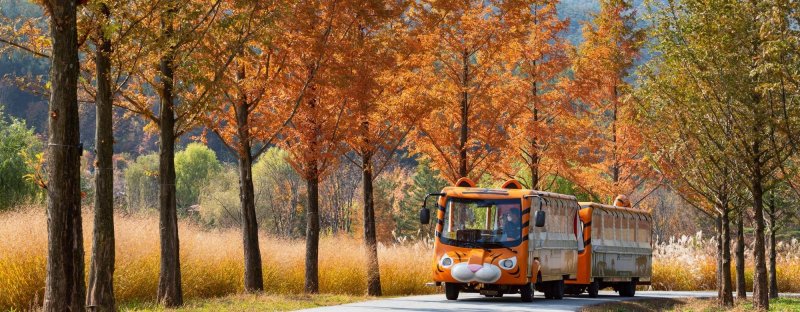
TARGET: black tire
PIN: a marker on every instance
(627, 289)
(548, 289)
(593, 289)
(558, 289)
(526, 293)
(451, 291)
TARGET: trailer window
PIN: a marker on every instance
(644, 231)
(608, 226)
(627, 235)
(482, 222)
(597, 225)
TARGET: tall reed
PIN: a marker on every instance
(211, 262)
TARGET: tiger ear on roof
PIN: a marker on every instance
(622, 201)
(512, 184)
(465, 182)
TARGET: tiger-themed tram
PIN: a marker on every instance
(511, 240)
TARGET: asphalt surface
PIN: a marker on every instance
(468, 302)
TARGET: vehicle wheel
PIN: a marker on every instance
(451, 291)
(526, 292)
(558, 289)
(627, 289)
(547, 289)
(593, 289)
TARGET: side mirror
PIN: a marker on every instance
(424, 215)
(540, 218)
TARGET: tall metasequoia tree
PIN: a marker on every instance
(382, 114)
(101, 80)
(64, 286)
(462, 76)
(687, 161)
(171, 65)
(779, 62)
(253, 110)
(781, 210)
(313, 138)
(609, 150)
(739, 121)
(741, 281)
(541, 55)
(100, 296)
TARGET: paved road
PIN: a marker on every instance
(476, 303)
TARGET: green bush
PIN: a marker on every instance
(279, 196)
(18, 150)
(141, 182)
(194, 168)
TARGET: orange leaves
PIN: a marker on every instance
(461, 76)
(541, 55)
(608, 154)
(313, 138)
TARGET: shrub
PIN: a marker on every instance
(141, 182)
(18, 148)
(194, 167)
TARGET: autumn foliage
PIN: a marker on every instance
(699, 103)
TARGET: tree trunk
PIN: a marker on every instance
(760, 292)
(373, 268)
(534, 165)
(64, 286)
(727, 287)
(169, 282)
(462, 153)
(312, 237)
(718, 238)
(101, 271)
(615, 166)
(253, 275)
(773, 270)
(741, 285)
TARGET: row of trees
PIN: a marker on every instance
(476, 87)
(720, 104)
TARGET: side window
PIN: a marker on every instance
(628, 228)
(561, 214)
(614, 226)
(597, 224)
(556, 204)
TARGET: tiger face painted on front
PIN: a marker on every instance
(478, 265)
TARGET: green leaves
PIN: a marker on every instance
(20, 161)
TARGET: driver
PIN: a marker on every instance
(511, 225)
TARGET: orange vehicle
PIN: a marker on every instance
(504, 241)
(618, 249)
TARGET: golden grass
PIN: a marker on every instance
(253, 302)
(211, 263)
(689, 263)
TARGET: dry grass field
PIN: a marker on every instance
(212, 263)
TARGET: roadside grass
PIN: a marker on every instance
(250, 302)
(690, 305)
(211, 263)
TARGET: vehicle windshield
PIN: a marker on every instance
(482, 222)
